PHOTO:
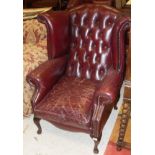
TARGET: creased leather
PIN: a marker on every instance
(70, 100)
(94, 40)
(45, 76)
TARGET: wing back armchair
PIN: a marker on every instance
(80, 83)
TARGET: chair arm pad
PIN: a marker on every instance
(108, 90)
(107, 93)
(45, 76)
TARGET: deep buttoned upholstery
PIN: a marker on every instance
(90, 46)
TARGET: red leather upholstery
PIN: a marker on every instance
(45, 76)
(57, 44)
(69, 102)
(90, 47)
(79, 89)
(108, 89)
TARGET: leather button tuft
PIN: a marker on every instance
(101, 34)
(86, 21)
(90, 33)
(98, 59)
(73, 45)
(101, 72)
(109, 23)
(97, 23)
(87, 57)
(105, 47)
(94, 46)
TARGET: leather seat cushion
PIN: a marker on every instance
(70, 101)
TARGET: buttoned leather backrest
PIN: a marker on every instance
(90, 45)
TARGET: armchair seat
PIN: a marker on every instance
(69, 101)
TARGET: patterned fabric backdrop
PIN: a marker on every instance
(35, 53)
(34, 31)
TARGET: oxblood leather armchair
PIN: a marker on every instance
(80, 83)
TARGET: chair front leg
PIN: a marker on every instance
(101, 107)
(96, 133)
(96, 143)
(37, 122)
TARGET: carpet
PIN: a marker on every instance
(111, 150)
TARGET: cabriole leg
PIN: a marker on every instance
(96, 143)
(37, 122)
